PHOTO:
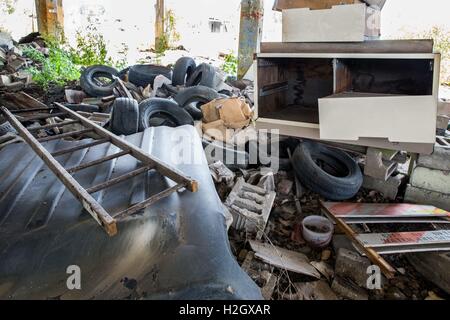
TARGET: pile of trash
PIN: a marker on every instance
(13, 64)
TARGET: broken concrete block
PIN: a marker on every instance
(5, 80)
(427, 197)
(434, 267)
(439, 160)
(317, 290)
(342, 241)
(348, 290)
(430, 179)
(15, 86)
(221, 173)
(379, 164)
(388, 188)
(350, 265)
(251, 207)
(15, 64)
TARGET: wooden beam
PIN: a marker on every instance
(252, 14)
(50, 17)
(159, 24)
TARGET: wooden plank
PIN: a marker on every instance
(97, 162)
(88, 203)
(312, 4)
(385, 267)
(21, 101)
(81, 147)
(118, 180)
(380, 210)
(378, 46)
(164, 169)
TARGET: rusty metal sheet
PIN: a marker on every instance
(371, 210)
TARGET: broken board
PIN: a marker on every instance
(372, 210)
(284, 259)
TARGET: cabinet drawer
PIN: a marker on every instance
(350, 117)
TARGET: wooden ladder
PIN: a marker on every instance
(107, 222)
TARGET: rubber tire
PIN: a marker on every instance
(125, 116)
(183, 69)
(93, 89)
(198, 94)
(319, 181)
(203, 75)
(5, 128)
(143, 75)
(170, 109)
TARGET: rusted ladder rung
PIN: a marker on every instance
(97, 162)
(55, 125)
(31, 110)
(87, 201)
(46, 116)
(147, 203)
(65, 135)
(120, 179)
(163, 168)
(81, 147)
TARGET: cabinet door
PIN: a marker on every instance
(352, 116)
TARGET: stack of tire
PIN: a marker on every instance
(194, 86)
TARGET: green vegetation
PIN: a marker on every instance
(170, 36)
(231, 64)
(7, 6)
(58, 68)
(63, 63)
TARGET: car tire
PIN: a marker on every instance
(190, 98)
(143, 75)
(183, 69)
(338, 179)
(125, 116)
(203, 75)
(169, 112)
(94, 89)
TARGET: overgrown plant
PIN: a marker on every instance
(63, 63)
(170, 35)
(8, 6)
(230, 65)
(57, 69)
(90, 49)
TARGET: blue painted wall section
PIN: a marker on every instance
(252, 13)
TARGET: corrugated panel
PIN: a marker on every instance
(177, 248)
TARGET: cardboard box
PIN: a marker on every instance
(342, 23)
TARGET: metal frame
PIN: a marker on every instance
(104, 219)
